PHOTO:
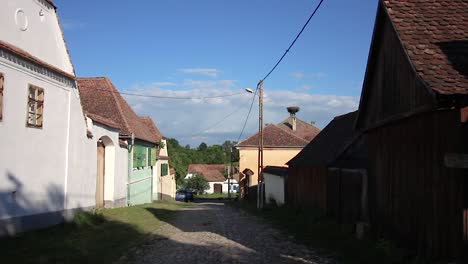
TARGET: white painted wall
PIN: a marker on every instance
(23, 26)
(274, 188)
(53, 168)
(33, 162)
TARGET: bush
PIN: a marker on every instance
(86, 219)
(197, 183)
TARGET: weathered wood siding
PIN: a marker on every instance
(344, 194)
(306, 186)
(391, 87)
(415, 199)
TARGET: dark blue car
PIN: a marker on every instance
(184, 195)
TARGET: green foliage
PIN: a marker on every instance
(84, 219)
(197, 183)
(182, 156)
(102, 236)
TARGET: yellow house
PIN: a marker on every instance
(281, 142)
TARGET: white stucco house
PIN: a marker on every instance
(275, 184)
(64, 147)
(164, 182)
(43, 180)
(213, 173)
(127, 146)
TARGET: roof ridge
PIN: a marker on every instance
(117, 102)
(292, 133)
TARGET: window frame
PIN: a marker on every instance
(166, 166)
(38, 104)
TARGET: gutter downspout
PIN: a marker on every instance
(130, 166)
(67, 149)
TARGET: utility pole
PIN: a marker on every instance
(260, 146)
(229, 174)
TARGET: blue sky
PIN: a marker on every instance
(213, 47)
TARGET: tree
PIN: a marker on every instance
(202, 147)
(197, 183)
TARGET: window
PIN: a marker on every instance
(164, 169)
(35, 106)
(2, 80)
(139, 156)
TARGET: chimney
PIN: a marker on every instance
(292, 112)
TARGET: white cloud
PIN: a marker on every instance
(297, 75)
(68, 24)
(305, 87)
(194, 121)
(201, 71)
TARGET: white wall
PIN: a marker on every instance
(33, 161)
(41, 36)
(274, 188)
(83, 166)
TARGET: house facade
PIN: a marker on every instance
(213, 173)
(275, 184)
(281, 143)
(44, 180)
(412, 104)
(129, 154)
(164, 183)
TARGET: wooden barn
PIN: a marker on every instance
(330, 172)
(414, 92)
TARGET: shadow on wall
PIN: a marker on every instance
(22, 210)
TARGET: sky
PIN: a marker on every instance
(212, 48)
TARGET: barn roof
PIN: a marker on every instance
(211, 172)
(103, 103)
(434, 34)
(330, 143)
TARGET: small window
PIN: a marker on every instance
(139, 156)
(164, 169)
(35, 106)
(2, 80)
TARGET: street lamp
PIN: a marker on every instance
(260, 143)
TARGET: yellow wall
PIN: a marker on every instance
(248, 158)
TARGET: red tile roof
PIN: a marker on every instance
(435, 36)
(303, 129)
(211, 172)
(20, 52)
(51, 3)
(101, 100)
(282, 135)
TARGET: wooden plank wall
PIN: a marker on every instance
(306, 186)
(391, 86)
(415, 199)
(344, 190)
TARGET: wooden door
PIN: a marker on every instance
(218, 188)
(101, 153)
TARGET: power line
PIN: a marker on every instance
(217, 123)
(170, 97)
(276, 65)
(248, 114)
(294, 41)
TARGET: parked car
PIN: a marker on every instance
(184, 195)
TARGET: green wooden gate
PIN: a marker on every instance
(140, 179)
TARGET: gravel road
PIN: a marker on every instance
(212, 232)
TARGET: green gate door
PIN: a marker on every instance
(140, 180)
